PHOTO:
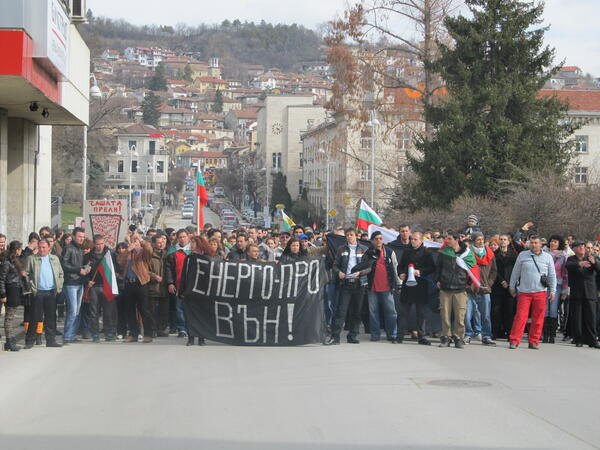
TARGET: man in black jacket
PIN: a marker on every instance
(504, 305)
(582, 268)
(421, 261)
(351, 290)
(96, 297)
(74, 270)
(238, 251)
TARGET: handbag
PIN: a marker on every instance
(543, 276)
(26, 288)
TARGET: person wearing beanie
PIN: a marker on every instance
(479, 296)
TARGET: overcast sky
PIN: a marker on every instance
(574, 31)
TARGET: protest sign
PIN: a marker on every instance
(108, 218)
(248, 303)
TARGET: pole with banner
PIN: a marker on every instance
(202, 198)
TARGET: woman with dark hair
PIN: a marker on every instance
(11, 272)
(293, 252)
(215, 248)
(556, 248)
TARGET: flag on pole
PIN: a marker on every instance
(106, 269)
(288, 223)
(366, 217)
(202, 198)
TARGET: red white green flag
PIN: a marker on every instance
(202, 198)
(109, 277)
(366, 217)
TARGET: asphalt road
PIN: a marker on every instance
(172, 218)
(165, 395)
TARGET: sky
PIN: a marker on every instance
(574, 32)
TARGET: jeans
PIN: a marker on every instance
(74, 294)
(180, 316)
(98, 301)
(552, 307)
(479, 308)
(331, 302)
(384, 300)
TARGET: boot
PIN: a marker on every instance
(190, 341)
(11, 345)
(545, 330)
(38, 339)
(552, 330)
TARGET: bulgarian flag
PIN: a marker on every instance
(366, 217)
(288, 223)
(202, 198)
(109, 277)
(466, 261)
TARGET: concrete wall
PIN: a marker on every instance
(22, 144)
(3, 167)
(43, 214)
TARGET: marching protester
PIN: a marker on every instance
(293, 252)
(383, 279)
(46, 278)
(11, 274)
(479, 298)
(159, 300)
(96, 299)
(173, 270)
(556, 249)
(532, 276)
(238, 252)
(583, 268)
(503, 303)
(418, 259)
(135, 263)
(351, 289)
(455, 261)
(75, 271)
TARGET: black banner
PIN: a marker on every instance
(246, 303)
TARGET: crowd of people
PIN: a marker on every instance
(458, 286)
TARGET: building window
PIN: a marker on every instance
(152, 148)
(301, 160)
(366, 139)
(365, 173)
(581, 175)
(132, 144)
(404, 140)
(134, 166)
(300, 186)
(107, 166)
(276, 160)
(120, 166)
(160, 167)
(581, 144)
(402, 171)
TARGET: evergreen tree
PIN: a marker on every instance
(188, 73)
(159, 81)
(218, 105)
(279, 191)
(493, 126)
(151, 109)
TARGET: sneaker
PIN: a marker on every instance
(119, 337)
(424, 341)
(53, 344)
(201, 341)
(459, 343)
(375, 338)
(331, 341)
(182, 334)
(467, 339)
(352, 340)
(477, 337)
(445, 341)
(533, 346)
(488, 341)
(512, 345)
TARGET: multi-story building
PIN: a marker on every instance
(147, 56)
(140, 165)
(584, 108)
(44, 81)
(280, 122)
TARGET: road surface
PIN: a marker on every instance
(172, 218)
(379, 396)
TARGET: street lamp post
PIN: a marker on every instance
(267, 208)
(327, 188)
(373, 123)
